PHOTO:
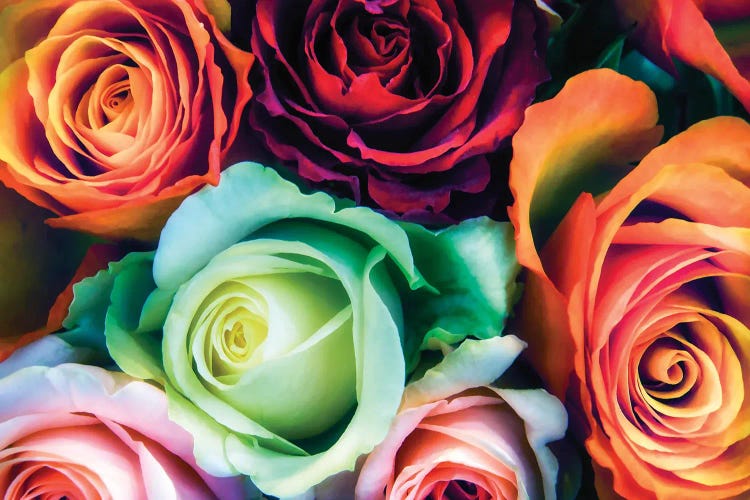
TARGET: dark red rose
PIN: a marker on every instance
(400, 100)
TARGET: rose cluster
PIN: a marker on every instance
(374, 249)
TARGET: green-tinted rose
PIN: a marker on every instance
(281, 324)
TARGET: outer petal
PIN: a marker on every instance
(722, 141)
(610, 121)
(47, 351)
(473, 266)
(142, 220)
(474, 363)
(215, 219)
(545, 421)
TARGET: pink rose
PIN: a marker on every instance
(458, 437)
(77, 432)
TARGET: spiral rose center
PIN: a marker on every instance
(374, 45)
(667, 370)
(107, 116)
(111, 96)
(240, 322)
(244, 336)
(386, 37)
(398, 46)
(118, 97)
(270, 342)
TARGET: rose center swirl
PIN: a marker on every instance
(667, 370)
(110, 97)
(366, 44)
(676, 378)
(242, 335)
(406, 52)
(375, 41)
(235, 326)
(116, 99)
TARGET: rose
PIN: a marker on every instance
(75, 431)
(711, 35)
(396, 101)
(636, 307)
(275, 320)
(456, 436)
(122, 108)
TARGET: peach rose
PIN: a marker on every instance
(120, 108)
(637, 304)
(458, 437)
(74, 431)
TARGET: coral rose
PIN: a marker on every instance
(395, 101)
(711, 35)
(458, 437)
(636, 309)
(121, 108)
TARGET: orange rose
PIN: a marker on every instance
(637, 306)
(121, 108)
(711, 35)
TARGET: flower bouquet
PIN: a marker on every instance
(374, 249)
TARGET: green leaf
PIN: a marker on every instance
(611, 56)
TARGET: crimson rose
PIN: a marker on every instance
(400, 100)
